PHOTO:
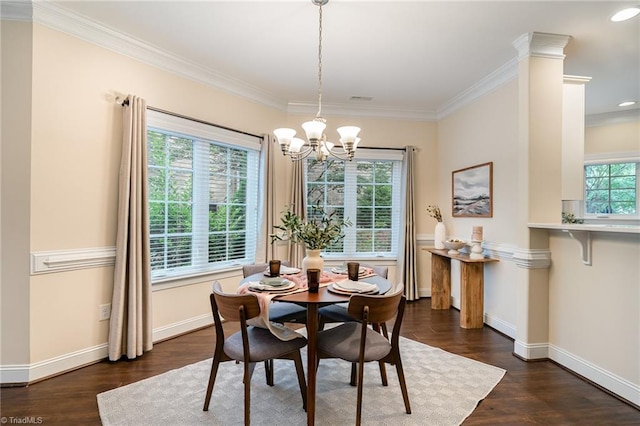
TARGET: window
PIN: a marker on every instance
(203, 186)
(611, 188)
(367, 191)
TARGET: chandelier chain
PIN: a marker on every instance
(319, 115)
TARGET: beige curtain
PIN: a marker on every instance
(408, 271)
(299, 206)
(130, 324)
(270, 217)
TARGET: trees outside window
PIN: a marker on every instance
(365, 191)
(611, 188)
(202, 198)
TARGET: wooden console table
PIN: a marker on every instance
(471, 285)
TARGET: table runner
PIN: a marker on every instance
(279, 330)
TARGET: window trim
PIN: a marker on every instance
(612, 158)
(201, 132)
(382, 154)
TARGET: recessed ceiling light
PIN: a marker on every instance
(625, 14)
(627, 103)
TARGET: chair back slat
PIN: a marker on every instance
(258, 267)
(229, 304)
(380, 308)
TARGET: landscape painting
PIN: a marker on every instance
(472, 190)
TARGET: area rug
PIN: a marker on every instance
(444, 389)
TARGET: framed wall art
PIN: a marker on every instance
(472, 191)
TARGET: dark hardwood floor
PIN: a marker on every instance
(530, 392)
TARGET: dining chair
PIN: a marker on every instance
(249, 345)
(338, 312)
(282, 311)
(356, 342)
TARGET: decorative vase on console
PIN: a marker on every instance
(440, 231)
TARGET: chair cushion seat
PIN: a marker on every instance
(335, 313)
(287, 312)
(343, 342)
(262, 345)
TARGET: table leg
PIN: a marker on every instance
(472, 295)
(312, 360)
(440, 282)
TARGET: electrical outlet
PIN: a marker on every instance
(105, 311)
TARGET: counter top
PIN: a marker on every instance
(626, 229)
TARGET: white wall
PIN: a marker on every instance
(485, 131)
(594, 311)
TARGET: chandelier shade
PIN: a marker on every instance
(317, 142)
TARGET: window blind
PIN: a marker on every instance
(367, 191)
(203, 196)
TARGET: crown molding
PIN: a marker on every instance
(493, 81)
(344, 110)
(610, 118)
(541, 45)
(58, 18)
(61, 19)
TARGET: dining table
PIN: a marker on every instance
(313, 301)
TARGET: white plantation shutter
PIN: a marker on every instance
(203, 199)
(367, 191)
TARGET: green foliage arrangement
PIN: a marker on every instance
(321, 231)
(570, 218)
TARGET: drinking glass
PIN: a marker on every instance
(313, 280)
(353, 270)
(274, 268)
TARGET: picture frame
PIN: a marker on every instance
(472, 191)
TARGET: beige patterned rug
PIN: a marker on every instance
(444, 389)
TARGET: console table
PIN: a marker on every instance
(471, 285)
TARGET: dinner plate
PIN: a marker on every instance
(343, 271)
(261, 287)
(284, 270)
(275, 281)
(335, 289)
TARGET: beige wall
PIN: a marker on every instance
(485, 131)
(595, 310)
(73, 169)
(15, 181)
(621, 137)
(66, 143)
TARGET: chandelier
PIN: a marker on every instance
(297, 148)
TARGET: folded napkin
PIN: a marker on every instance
(259, 285)
(284, 270)
(355, 286)
(275, 282)
(325, 278)
(281, 331)
(363, 272)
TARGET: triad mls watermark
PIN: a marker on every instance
(22, 420)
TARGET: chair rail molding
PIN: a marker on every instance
(522, 257)
(66, 260)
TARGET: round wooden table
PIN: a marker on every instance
(313, 301)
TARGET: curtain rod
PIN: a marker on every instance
(196, 120)
(382, 147)
(126, 102)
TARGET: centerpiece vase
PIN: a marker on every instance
(439, 235)
(312, 260)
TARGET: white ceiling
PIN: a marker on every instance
(411, 56)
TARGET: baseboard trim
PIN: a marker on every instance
(182, 327)
(527, 351)
(619, 386)
(503, 327)
(23, 375)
